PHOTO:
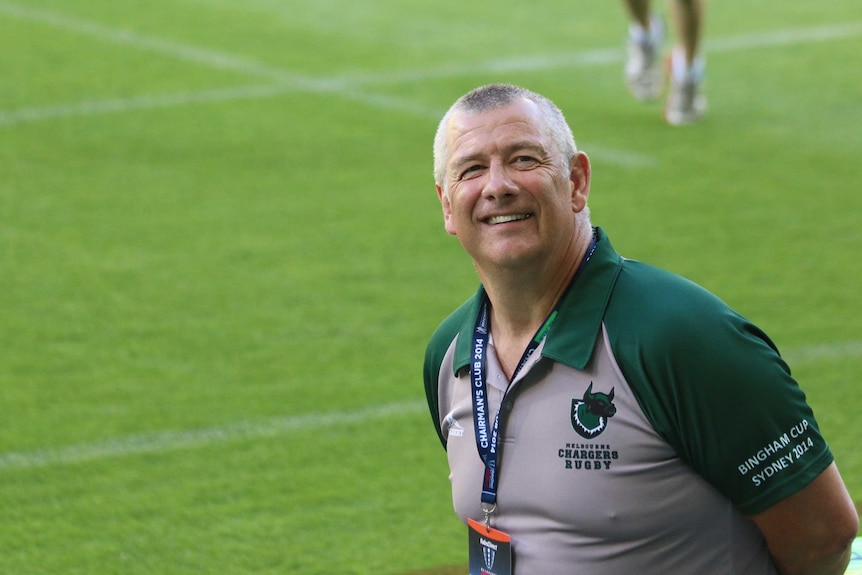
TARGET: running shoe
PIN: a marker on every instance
(685, 101)
(643, 71)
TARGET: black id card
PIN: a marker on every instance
(490, 550)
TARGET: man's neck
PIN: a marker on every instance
(521, 301)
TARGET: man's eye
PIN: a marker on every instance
(524, 159)
(471, 170)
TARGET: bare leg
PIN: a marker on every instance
(686, 102)
(642, 71)
(639, 10)
(688, 17)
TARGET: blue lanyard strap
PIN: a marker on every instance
(487, 435)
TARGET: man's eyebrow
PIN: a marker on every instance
(508, 149)
(468, 159)
(526, 145)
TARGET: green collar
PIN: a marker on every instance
(573, 335)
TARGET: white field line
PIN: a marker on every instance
(101, 107)
(825, 352)
(615, 55)
(162, 442)
(232, 62)
(174, 50)
(347, 86)
(283, 82)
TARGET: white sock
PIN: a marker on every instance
(642, 36)
(680, 69)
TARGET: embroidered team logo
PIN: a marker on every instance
(590, 415)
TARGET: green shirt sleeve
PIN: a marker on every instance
(443, 337)
(715, 387)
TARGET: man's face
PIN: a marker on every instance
(510, 200)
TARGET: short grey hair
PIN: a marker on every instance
(492, 96)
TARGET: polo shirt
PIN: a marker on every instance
(650, 421)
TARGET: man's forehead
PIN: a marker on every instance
(522, 110)
(519, 121)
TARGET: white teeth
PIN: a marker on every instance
(509, 218)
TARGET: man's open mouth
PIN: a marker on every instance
(507, 218)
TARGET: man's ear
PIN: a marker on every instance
(579, 176)
(448, 221)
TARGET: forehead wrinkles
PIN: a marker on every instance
(473, 136)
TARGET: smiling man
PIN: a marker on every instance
(582, 397)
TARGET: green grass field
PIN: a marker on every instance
(221, 255)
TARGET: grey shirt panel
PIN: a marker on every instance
(620, 502)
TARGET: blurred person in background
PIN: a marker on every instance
(644, 75)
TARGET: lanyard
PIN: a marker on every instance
(487, 436)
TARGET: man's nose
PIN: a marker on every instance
(499, 182)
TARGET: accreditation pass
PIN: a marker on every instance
(490, 550)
